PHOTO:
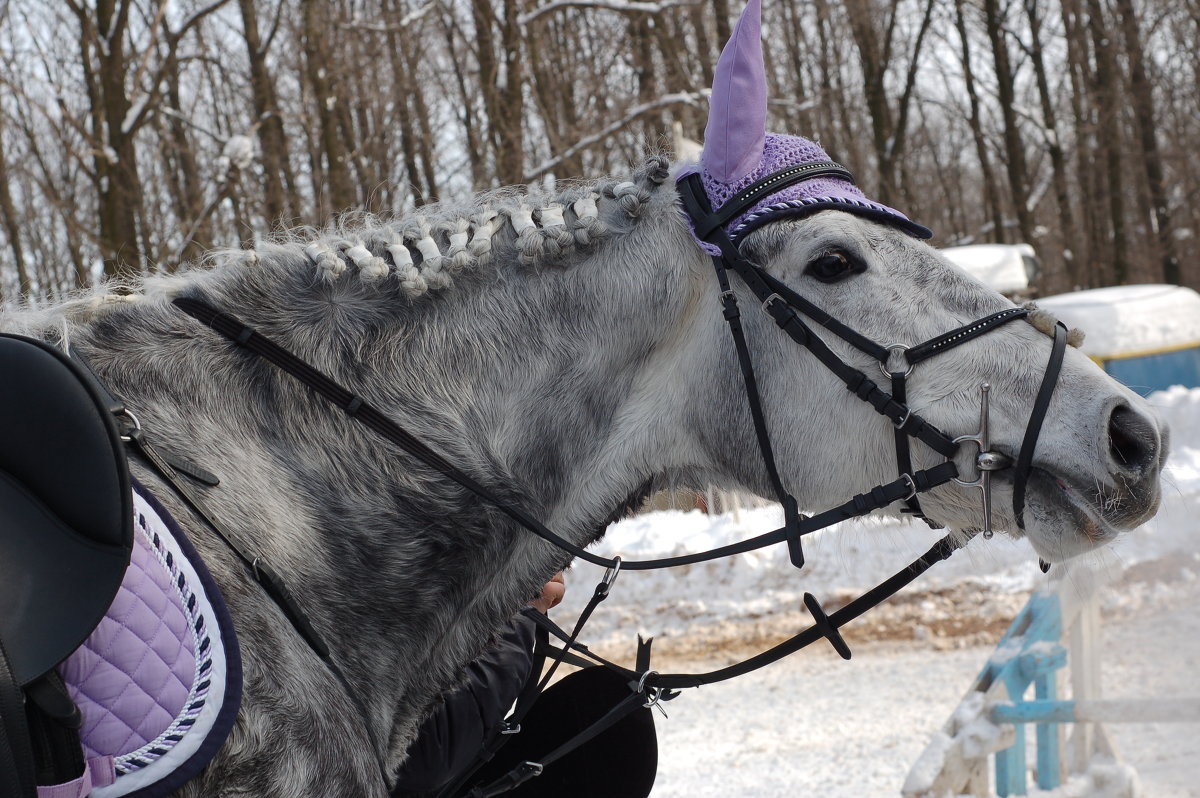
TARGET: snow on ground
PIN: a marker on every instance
(815, 725)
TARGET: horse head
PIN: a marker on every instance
(1072, 457)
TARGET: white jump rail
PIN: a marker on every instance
(992, 717)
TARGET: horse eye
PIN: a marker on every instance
(834, 266)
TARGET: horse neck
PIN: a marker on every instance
(559, 386)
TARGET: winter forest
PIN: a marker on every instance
(137, 134)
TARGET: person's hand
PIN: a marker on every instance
(552, 593)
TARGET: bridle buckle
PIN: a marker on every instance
(766, 305)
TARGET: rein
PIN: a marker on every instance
(785, 307)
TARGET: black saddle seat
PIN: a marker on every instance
(66, 509)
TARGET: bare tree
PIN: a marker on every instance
(1145, 116)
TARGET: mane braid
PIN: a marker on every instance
(422, 252)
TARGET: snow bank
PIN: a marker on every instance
(1104, 778)
(1000, 266)
(1126, 319)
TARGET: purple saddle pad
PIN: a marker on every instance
(159, 681)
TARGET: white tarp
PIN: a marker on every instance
(1130, 319)
(1000, 266)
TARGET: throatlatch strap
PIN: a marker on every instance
(1036, 417)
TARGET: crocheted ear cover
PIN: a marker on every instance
(803, 198)
(737, 151)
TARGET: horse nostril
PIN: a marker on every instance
(1132, 440)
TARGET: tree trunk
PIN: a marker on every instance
(1062, 190)
(318, 60)
(183, 179)
(118, 188)
(1014, 148)
(862, 16)
(1107, 98)
(12, 227)
(991, 193)
(1088, 259)
(1146, 119)
(279, 184)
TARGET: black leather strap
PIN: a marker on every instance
(528, 770)
(367, 414)
(791, 513)
(820, 630)
(271, 583)
(16, 752)
(750, 196)
(912, 505)
(963, 334)
(1033, 430)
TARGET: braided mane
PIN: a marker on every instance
(421, 251)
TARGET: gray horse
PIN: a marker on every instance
(567, 351)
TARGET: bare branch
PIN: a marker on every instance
(693, 98)
(378, 27)
(610, 5)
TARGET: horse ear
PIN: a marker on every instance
(737, 117)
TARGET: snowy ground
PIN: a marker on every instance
(814, 725)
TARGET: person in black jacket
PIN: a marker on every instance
(450, 738)
(621, 762)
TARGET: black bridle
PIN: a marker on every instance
(785, 307)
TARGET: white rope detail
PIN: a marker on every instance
(457, 254)
(429, 250)
(585, 207)
(554, 227)
(400, 256)
(552, 216)
(486, 224)
(431, 257)
(370, 267)
(411, 281)
(521, 218)
(327, 261)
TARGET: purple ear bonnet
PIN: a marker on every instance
(803, 198)
(738, 153)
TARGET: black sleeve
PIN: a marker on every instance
(452, 736)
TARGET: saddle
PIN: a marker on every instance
(66, 533)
